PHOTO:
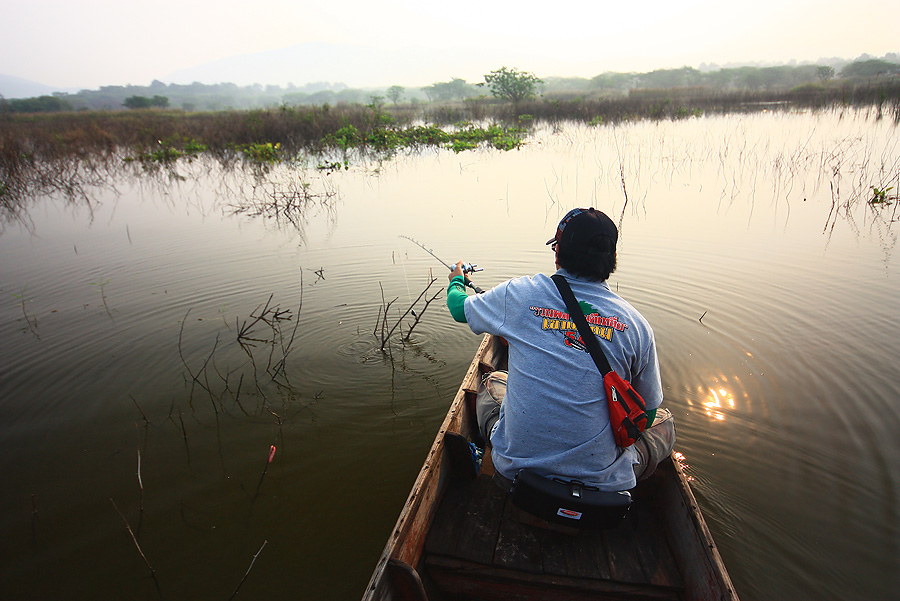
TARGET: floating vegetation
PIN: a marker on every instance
(169, 152)
(262, 153)
(882, 196)
(464, 136)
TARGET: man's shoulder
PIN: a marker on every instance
(609, 304)
(529, 282)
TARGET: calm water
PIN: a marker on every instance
(786, 392)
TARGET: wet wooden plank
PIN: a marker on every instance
(517, 546)
(622, 549)
(586, 556)
(482, 525)
(653, 548)
(466, 580)
(445, 530)
(468, 521)
(476, 523)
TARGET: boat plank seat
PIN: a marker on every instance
(478, 548)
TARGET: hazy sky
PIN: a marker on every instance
(88, 43)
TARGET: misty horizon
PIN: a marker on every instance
(330, 60)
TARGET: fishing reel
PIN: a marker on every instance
(470, 268)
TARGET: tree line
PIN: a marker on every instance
(505, 83)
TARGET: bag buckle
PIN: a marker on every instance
(576, 487)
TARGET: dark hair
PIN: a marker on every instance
(594, 266)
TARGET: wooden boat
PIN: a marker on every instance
(459, 537)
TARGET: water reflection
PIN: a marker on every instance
(722, 249)
(719, 400)
(284, 197)
(284, 194)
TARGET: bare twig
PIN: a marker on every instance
(237, 395)
(384, 316)
(187, 449)
(140, 482)
(286, 349)
(384, 338)
(146, 421)
(278, 418)
(194, 377)
(136, 544)
(234, 594)
(378, 321)
(246, 329)
(418, 316)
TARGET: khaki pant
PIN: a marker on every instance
(654, 446)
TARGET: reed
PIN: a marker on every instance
(31, 323)
(74, 154)
(137, 544)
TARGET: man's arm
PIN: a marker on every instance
(456, 297)
(456, 293)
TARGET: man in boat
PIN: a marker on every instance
(554, 417)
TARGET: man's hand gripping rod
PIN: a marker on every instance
(467, 268)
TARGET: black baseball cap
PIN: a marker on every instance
(587, 231)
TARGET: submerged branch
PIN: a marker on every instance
(136, 544)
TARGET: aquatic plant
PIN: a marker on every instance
(880, 196)
(102, 287)
(262, 152)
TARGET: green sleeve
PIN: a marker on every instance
(651, 415)
(456, 298)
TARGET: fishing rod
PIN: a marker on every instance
(467, 268)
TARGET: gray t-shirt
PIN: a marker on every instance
(554, 417)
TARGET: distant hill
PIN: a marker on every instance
(16, 87)
(318, 74)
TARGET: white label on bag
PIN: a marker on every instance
(568, 513)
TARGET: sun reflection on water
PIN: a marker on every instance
(718, 401)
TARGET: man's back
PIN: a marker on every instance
(554, 416)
